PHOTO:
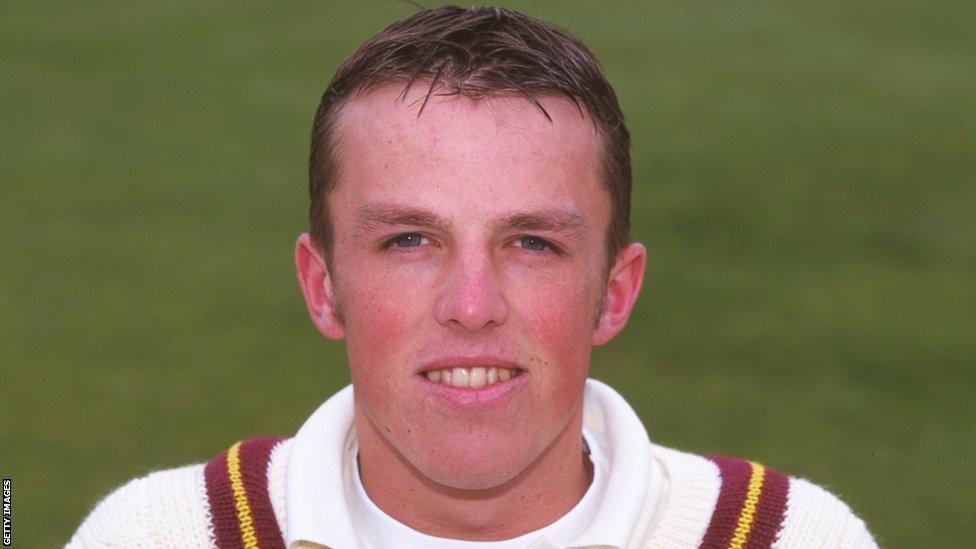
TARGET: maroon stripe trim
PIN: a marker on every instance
(220, 496)
(734, 475)
(769, 515)
(255, 455)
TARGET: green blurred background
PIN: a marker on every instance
(803, 181)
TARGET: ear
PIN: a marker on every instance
(318, 288)
(623, 287)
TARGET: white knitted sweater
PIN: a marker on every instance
(169, 509)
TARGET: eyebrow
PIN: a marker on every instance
(375, 215)
(549, 220)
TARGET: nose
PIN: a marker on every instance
(472, 297)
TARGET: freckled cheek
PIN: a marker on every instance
(558, 313)
(382, 316)
(378, 345)
(556, 323)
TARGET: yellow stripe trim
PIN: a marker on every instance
(244, 520)
(748, 514)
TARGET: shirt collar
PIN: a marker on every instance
(633, 478)
(316, 503)
(318, 496)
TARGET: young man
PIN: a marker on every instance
(470, 184)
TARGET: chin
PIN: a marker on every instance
(473, 477)
(470, 469)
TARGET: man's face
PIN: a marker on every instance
(469, 237)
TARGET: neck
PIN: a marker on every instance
(536, 497)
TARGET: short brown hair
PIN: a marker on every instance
(476, 52)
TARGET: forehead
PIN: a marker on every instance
(386, 111)
(485, 145)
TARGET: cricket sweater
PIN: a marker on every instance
(250, 496)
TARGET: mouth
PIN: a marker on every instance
(473, 383)
(473, 377)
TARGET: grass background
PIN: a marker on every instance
(803, 181)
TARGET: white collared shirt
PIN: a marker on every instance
(643, 496)
(327, 505)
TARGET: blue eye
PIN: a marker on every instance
(408, 240)
(533, 243)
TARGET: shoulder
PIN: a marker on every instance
(152, 511)
(713, 500)
(171, 508)
(814, 516)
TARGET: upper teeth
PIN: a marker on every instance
(474, 378)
